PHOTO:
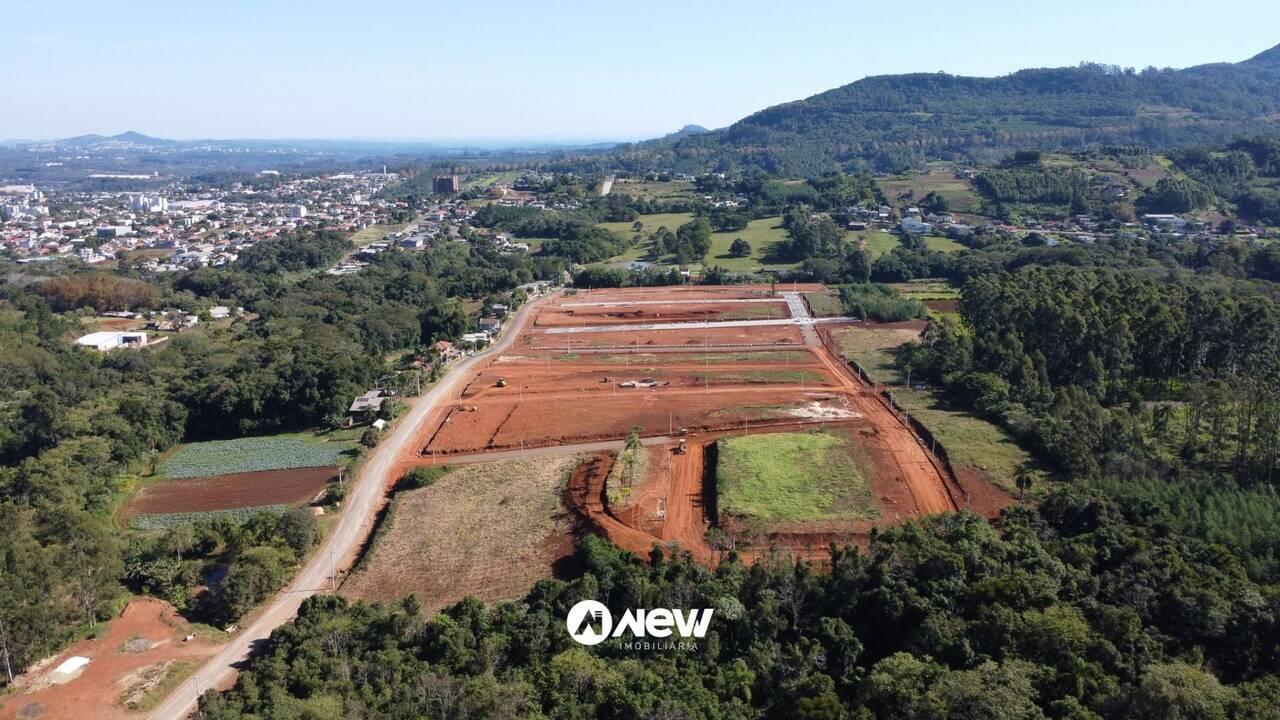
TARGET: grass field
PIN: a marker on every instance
(793, 477)
(269, 452)
(490, 179)
(942, 244)
(674, 189)
(879, 242)
(489, 530)
(824, 304)
(971, 441)
(960, 196)
(762, 234)
(375, 233)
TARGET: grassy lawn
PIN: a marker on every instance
(793, 477)
(879, 242)
(670, 221)
(375, 233)
(971, 441)
(942, 244)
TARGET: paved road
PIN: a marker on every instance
(800, 311)
(340, 547)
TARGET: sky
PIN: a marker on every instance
(540, 69)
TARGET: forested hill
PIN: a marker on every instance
(891, 122)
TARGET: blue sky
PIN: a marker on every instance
(540, 69)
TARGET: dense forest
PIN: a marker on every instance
(76, 427)
(1085, 608)
(894, 122)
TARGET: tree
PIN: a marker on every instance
(740, 248)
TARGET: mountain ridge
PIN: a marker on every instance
(895, 122)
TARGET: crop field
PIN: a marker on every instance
(164, 521)
(230, 492)
(442, 542)
(243, 455)
(794, 477)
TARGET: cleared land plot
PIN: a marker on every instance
(230, 492)
(489, 531)
(972, 444)
(564, 379)
(375, 233)
(824, 304)
(658, 190)
(959, 194)
(510, 424)
(692, 338)
(592, 315)
(243, 455)
(794, 477)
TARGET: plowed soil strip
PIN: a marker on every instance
(229, 492)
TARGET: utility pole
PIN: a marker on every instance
(333, 572)
(4, 646)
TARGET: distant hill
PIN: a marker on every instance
(891, 122)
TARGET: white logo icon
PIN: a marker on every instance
(589, 622)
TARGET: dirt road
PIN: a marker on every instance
(340, 547)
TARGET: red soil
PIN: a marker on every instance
(93, 693)
(228, 492)
(675, 312)
(550, 400)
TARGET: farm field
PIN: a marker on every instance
(270, 452)
(793, 477)
(442, 543)
(979, 451)
(193, 496)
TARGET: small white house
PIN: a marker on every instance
(110, 340)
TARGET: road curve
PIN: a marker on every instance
(340, 547)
